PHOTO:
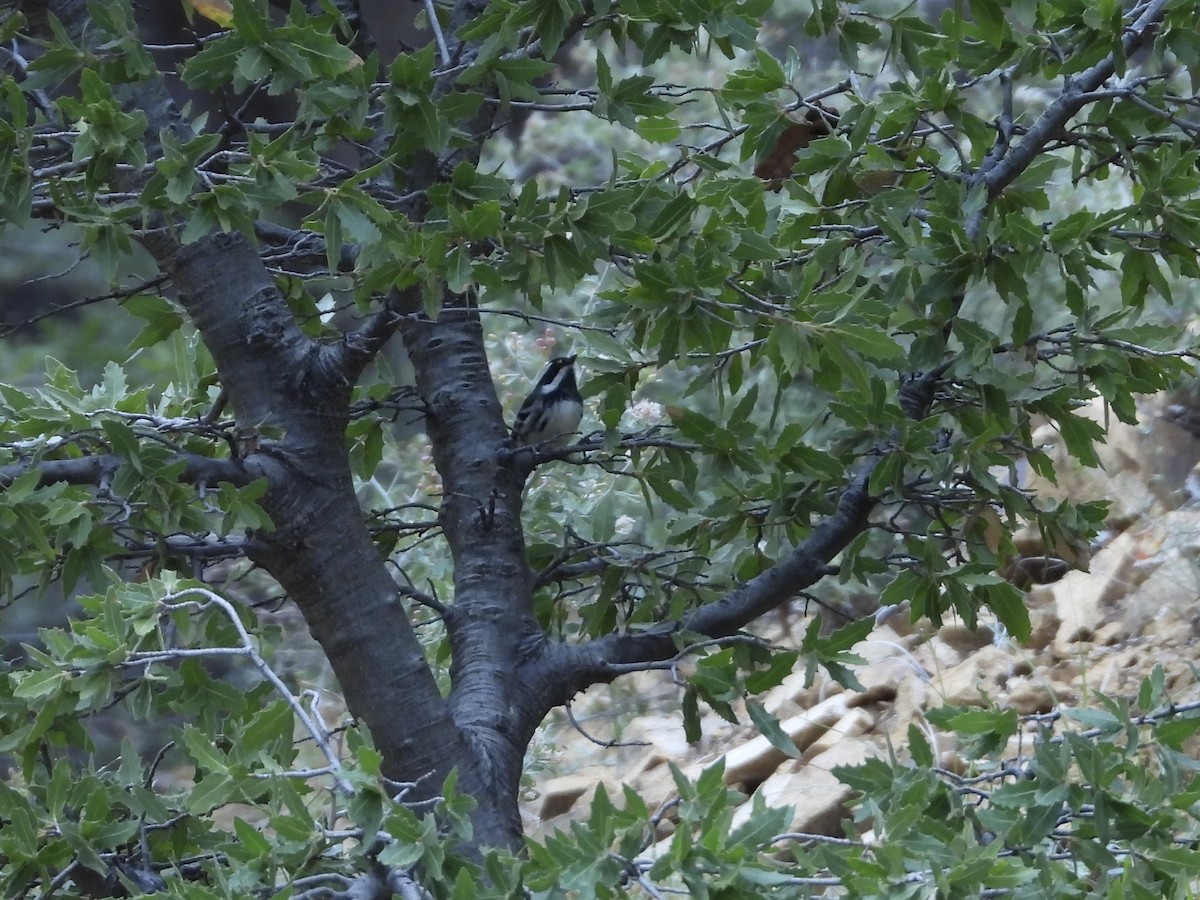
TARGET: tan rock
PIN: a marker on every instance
(912, 699)
(560, 795)
(1081, 598)
(1103, 631)
(1043, 626)
(880, 650)
(852, 724)
(752, 762)
(664, 733)
(1110, 634)
(1120, 478)
(882, 643)
(650, 762)
(1169, 591)
(889, 673)
(897, 618)
(963, 640)
(664, 829)
(1030, 695)
(984, 672)
(1179, 676)
(1169, 450)
(793, 696)
(936, 656)
(1114, 679)
(953, 761)
(818, 798)
(1167, 630)
(651, 777)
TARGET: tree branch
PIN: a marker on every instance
(807, 564)
(101, 468)
(1001, 169)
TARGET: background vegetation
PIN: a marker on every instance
(824, 285)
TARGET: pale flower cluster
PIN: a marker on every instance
(645, 413)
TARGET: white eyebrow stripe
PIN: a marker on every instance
(554, 383)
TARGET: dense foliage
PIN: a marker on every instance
(820, 313)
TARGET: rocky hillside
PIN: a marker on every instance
(1096, 631)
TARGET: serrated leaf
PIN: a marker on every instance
(40, 684)
(778, 668)
(871, 342)
(203, 751)
(210, 792)
(250, 839)
(921, 752)
(1008, 603)
(1080, 436)
(659, 129)
(768, 726)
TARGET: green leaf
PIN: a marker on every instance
(779, 666)
(39, 685)
(458, 270)
(251, 842)
(1008, 603)
(203, 751)
(763, 825)
(210, 792)
(768, 726)
(1080, 436)
(871, 342)
(161, 317)
(990, 729)
(990, 17)
(921, 752)
(270, 730)
(659, 129)
(887, 476)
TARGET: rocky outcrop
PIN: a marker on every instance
(1101, 630)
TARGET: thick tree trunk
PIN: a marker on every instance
(279, 381)
(491, 625)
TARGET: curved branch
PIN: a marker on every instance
(1001, 169)
(96, 470)
(807, 564)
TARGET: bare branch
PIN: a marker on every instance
(100, 469)
(595, 740)
(312, 723)
(122, 294)
(432, 16)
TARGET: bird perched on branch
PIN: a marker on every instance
(553, 409)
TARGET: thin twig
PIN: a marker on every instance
(313, 725)
(443, 49)
(595, 740)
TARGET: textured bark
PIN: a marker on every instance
(294, 392)
(491, 623)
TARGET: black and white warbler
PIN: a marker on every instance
(551, 412)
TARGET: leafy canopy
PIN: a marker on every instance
(799, 294)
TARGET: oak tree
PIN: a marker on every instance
(820, 311)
